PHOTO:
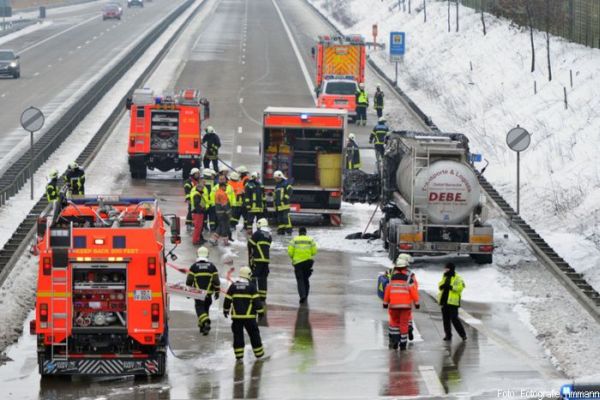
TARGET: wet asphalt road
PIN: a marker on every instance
(336, 347)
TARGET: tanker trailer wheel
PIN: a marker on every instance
(482, 258)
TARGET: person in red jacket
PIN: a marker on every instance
(400, 294)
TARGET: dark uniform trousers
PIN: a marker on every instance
(251, 326)
(260, 272)
(450, 317)
(202, 307)
(303, 272)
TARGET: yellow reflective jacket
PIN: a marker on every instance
(457, 285)
(302, 248)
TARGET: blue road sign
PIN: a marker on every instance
(397, 45)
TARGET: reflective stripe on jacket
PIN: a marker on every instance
(401, 292)
(302, 248)
(204, 275)
(242, 300)
(283, 194)
(259, 246)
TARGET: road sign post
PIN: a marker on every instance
(375, 37)
(397, 49)
(32, 120)
(518, 139)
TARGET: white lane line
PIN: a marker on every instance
(78, 47)
(3, 95)
(241, 101)
(311, 87)
(49, 65)
(242, 78)
(36, 74)
(58, 34)
(87, 42)
(239, 149)
(60, 59)
(239, 129)
(432, 381)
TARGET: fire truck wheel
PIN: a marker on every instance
(162, 364)
(482, 258)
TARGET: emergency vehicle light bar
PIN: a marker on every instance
(112, 199)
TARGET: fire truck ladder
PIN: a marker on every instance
(60, 292)
(419, 202)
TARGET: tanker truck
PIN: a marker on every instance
(431, 199)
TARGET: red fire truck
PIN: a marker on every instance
(101, 306)
(166, 134)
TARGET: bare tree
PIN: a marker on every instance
(530, 23)
(424, 10)
(448, 15)
(482, 5)
(457, 5)
(547, 21)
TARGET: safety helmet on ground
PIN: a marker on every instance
(246, 273)
(401, 263)
(234, 176)
(381, 119)
(202, 252)
(262, 223)
(254, 175)
(208, 173)
(53, 173)
(242, 169)
(405, 256)
(194, 171)
(210, 129)
(278, 174)
(74, 165)
(351, 136)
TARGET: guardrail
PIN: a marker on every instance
(8, 27)
(573, 281)
(18, 173)
(21, 238)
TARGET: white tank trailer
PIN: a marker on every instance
(431, 198)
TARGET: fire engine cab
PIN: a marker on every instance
(101, 305)
(166, 134)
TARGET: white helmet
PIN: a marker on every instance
(53, 173)
(74, 165)
(194, 171)
(381, 119)
(234, 176)
(401, 263)
(254, 175)
(404, 256)
(208, 173)
(379, 86)
(210, 129)
(246, 273)
(351, 136)
(361, 85)
(223, 169)
(202, 252)
(278, 174)
(242, 169)
(262, 223)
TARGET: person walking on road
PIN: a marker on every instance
(243, 303)
(400, 295)
(188, 184)
(352, 153)
(259, 248)
(378, 135)
(450, 291)
(203, 275)
(302, 250)
(212, 143)
(362, 103)
(283, 195)
(254, 201)
(378, 101)
(198, 209)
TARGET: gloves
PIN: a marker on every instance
(445, 286)
(226, 313)
(417, 306)
(217, 295)
(385, 306)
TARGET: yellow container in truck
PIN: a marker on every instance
(330, 170)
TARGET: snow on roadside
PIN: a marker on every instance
(18, 292)
(24, 31)
(559, 173)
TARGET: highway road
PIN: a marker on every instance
(67, 53)
(336, 347)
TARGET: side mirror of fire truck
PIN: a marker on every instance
(175, 230)
(205, 108)
(128, 102)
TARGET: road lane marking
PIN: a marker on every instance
(58, 34)
(242, 78)
(239, 129)
(241, 101)
(239, 148)
(78, 47)
(36, 74)
(49, 65)
(432, 381)
(311, 87)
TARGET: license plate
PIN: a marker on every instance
(143, 295)
(446, 246)
(342, 101)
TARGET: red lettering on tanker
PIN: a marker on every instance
(447, 191)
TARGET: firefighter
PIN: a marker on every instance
(259, 246)
(223, 171)
(254, 201)
(188, 184)
(75, 177)
(400, 295)
(52, 192)
(222, 197)
(362, 103)
(450, 291)
(203, 275)
(244, 178)
(236, 207)
(413, 279)
(378, 135)
(302, 250)
(378, 101)
(212, 144)
(352, 153)
(243, 303)
(209, 213)
(283, 194)
(198, 209)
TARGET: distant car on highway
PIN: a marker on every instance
(10, 64)
(137, 3)
(112, 11)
